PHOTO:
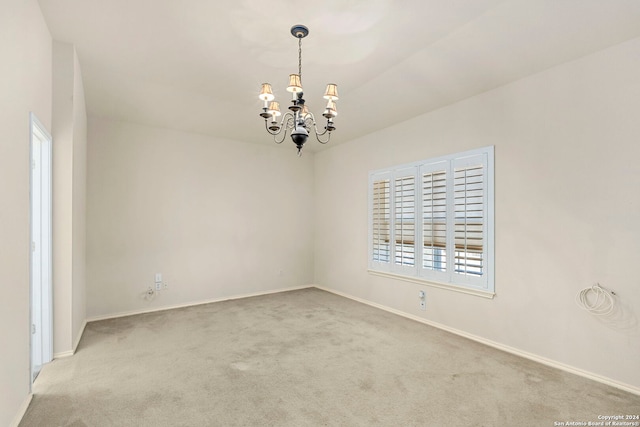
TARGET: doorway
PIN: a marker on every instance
(41, 252)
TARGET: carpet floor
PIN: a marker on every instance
(303, 358)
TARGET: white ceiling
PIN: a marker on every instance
(197, 65)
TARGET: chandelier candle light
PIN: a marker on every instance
(298, 120)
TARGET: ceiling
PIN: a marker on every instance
(197, 65)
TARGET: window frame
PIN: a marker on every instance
(479, 187)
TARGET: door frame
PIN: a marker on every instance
(40, 233)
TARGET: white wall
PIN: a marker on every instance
(567, 208)
(69, 131)
(79, 229)
(217, 218)
(25, 85)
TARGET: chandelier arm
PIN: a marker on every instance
(318, 135)
(275, 136)
(288, 117)
(312, 120)
(308, 121)
(266, 126)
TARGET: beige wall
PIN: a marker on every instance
(217, 218)
(25, 85)
(567, 204)
(69, 133)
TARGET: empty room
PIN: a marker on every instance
(339, 213)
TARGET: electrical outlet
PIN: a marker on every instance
(165, 285)
(158, 286)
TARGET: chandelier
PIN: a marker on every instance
(298, 121)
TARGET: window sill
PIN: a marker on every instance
(421, 281)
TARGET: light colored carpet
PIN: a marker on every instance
(302, 358)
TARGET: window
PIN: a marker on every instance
(432, 221)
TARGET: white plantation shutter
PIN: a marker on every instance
(434, 216)
(380, 221)
(404, 211)
(381, 232)
(469, 219)
(433, 220)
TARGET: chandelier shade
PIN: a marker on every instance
(266, 94)
(295, 85)
(274, 108)
(299, 122)
(330, 111)
(331, 92)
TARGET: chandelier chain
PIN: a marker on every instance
(300, 58)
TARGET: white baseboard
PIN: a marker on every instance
(499, 346)
(63, 354)
(71, 352)
(79, 337)
(22, 411)
(191, 304)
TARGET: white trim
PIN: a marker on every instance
(63, 354)
(191, 304)
(424, 281)
(37, 131)
(533, 357)
(75, 344)
(482, 284)
(79, 337)
(23, 410)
